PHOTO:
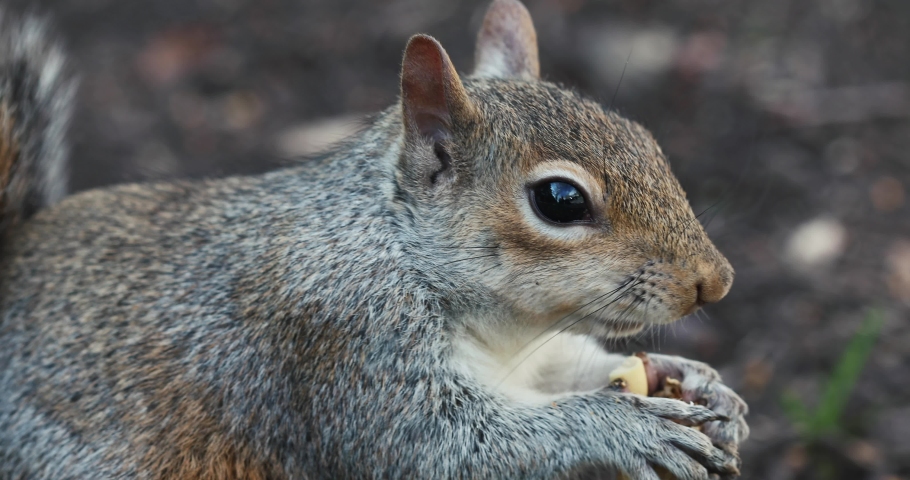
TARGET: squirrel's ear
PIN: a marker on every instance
(507, 43)
(432, 96)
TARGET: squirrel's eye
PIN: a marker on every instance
(560, 202)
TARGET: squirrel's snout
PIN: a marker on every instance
(714, 281)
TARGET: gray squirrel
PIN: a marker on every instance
(428, 301)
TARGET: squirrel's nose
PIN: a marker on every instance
(714, 281)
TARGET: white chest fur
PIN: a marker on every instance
(534, 370)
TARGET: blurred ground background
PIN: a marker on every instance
(787, 121)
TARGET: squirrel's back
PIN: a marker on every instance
(166, 303)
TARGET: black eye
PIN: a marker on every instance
(560, 202)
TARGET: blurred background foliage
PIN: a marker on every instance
(787, 121)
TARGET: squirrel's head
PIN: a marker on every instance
(559, 208)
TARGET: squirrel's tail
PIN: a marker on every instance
(36, 96)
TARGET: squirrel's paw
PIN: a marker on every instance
(669, 443)
(702, 385)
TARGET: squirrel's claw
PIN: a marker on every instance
(688, 414)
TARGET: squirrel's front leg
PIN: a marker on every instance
(700, 385)
(633, 435)
(576, 364)
(568, 376)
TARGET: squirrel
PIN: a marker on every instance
(430, 300)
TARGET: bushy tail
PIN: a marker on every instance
(36, 96)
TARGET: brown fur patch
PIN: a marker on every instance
(194, 446)
(9, 154)
(176, 426)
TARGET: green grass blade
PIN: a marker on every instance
(846, 373)
(796, 410)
